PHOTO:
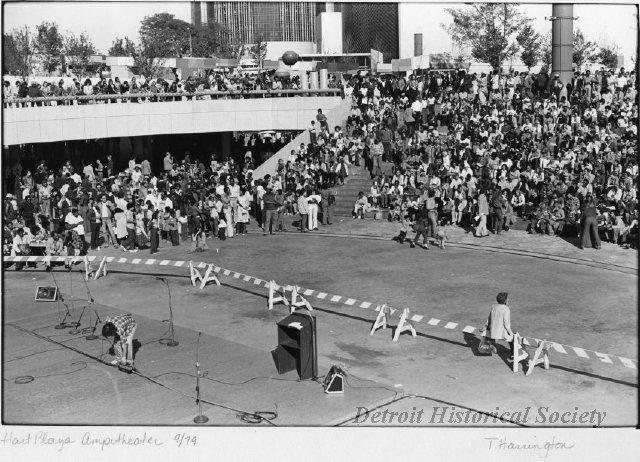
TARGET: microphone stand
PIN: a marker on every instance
(173, 341)
(77, 323)
(200, 418)
(60, 299)
(93, 335)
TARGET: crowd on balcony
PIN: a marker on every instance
(480, 151)
(235, 84)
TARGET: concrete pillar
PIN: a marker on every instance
(304, 80)
(562, 41)
(313, 80)
(225, 142)
(324, 79)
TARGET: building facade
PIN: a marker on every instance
(246, 22)
(364, 25)
(370, 25)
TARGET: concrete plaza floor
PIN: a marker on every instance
(583, 298)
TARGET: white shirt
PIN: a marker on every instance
(70, 219)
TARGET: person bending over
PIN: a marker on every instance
(120, 330)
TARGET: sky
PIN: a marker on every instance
(103, 21)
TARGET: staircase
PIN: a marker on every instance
(358, 180)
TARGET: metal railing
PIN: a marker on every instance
(161, 97)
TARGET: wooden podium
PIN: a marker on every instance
(296, 346)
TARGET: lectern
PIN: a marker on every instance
(297, 346)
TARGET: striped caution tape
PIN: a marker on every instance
(352, 302)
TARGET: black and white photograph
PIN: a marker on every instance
(232, 228)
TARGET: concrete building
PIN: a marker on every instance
(248, 21)
(332, 27)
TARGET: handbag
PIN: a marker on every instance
(485, 348)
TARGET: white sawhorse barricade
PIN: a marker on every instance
(209, 276)
(276, 294)
(541, 355)
(298, 301)
(404, 325)
(89, 271)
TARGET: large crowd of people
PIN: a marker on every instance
(491, 148)
(466, 150)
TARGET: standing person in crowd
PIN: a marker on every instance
(244, 205)
(271, 209)
(589, 222)
(432, 213)
(498, 206)
(422, 220)
(303, 210)
(168, 162)
(327, 202)
(74, 224)
(93, 217)
(313, 200)
(483, 211)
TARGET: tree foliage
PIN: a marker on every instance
(122, 47)
(532, 44)
(208, 40)
(546, 53)
(259, 51)
(78, 50)
(48, 43)
(583, 50)
(17, 52)
(488, 29)
(165, 36)
(607, 56)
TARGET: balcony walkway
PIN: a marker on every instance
(42, 120)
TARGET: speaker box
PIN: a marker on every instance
(334, 381)
(46, 294)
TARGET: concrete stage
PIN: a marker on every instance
(77, 387)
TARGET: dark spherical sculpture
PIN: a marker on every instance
(290, 58)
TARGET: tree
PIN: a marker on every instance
(259, 51)
(78, 50)
(488, 30)
(607, 56)
(165, 36)
(532, 44)
(122, 47)
(17, 52)
(546, 53)
(208, 40)
(146, 62)
(49, 44)
(583, 51)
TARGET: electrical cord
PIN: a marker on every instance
(28, 379)
(24, 379)
(32, 354)
(222, 382)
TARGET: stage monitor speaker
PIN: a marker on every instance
(46, 294)
(334, 381)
